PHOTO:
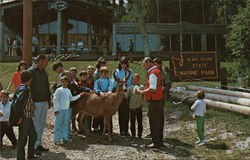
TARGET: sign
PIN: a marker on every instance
(194, 66)
(59, 5)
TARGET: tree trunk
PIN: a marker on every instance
(143, 28)
(219, 91)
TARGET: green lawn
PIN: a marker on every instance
(7, 69)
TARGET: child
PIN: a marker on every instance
(5, 106)
(135, 106)
(90, 71)
(84, 82)
(22, 113)
(103, 87)
(16, 78)
(73, 72)
(62, 99)
(58, 68)
(199, 108)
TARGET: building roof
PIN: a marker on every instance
(78, 9)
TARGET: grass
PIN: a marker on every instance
(183, 139)
(7, 69)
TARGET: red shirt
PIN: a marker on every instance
(85, 84)
(16, 79)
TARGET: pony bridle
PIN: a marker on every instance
(120, 81)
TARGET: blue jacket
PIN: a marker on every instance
(104, 85)
(121, 74)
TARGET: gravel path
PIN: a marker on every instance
(96, 147)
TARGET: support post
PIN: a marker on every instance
(192, 42)
(114, 49)
(170, 43)
(59, 32)
(2, 26)
(180, 10)
(204, 42)
(27, 31)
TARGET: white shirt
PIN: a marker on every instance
(6, 111)
(62, 99)
(199, 107)
(152, 79)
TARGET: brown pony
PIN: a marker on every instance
(94, 105)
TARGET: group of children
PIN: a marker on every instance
(69, 88)
(101, 84)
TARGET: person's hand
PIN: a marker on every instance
(49, 104)
(193, 116)
(137, 91)
(19, 121)
(1, 113)
(56, 112)
(82, 94)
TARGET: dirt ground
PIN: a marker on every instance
(179, 138)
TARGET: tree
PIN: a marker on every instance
(238, 40)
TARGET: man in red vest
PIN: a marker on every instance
(154, 94)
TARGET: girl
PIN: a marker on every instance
(16, 78)
(199, 108)
(124, 74)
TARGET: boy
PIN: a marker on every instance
(58, 68)
(62, 99)
(103, 87)
(5, 106)
(199, 108)
(22, 113)
(135, 106)
(84, 82)
(90, 71)
(73, 72)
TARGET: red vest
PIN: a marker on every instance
(158, 94)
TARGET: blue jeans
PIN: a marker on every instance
(61, 126)
(40, 114)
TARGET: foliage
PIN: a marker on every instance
(148, 11)
(238, 40)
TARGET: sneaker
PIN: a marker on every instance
(157, 146)
(199, 141)
(202, 142)
(42, 149)
(123, 134)
(148, 136)
(57, 143)
(37, 152)
(127, 135)
(67, 141)
(34, 157)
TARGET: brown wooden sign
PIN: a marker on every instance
(194, 66)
